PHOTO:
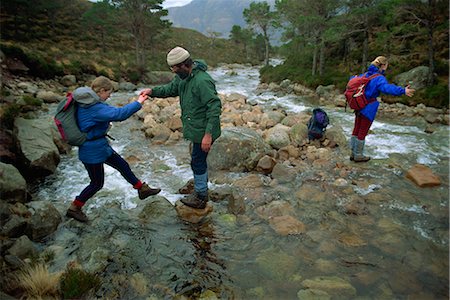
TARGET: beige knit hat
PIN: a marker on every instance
(177, 55)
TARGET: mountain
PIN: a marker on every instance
(208, 16)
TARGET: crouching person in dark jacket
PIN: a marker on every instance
(200, 114)
(94, 117)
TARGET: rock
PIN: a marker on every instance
(68, 80)
(298, 134)
(332, 285)
(278, 136)
(284, 173)
(44, 220)
(192, 215)
(416, 78)
(276, 264)
(23, 248)
(49, 96)
(14, 227)
(126, 86)
(36, 142)
(275, 208)
(266, 164)
(313, 294)
(286, 225)
(237, 149)
(13, 186)
(423, 176)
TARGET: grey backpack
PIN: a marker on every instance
(66, 122)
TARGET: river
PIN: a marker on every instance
(398, 249)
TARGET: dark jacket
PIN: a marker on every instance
(200, 105)
(93, 117)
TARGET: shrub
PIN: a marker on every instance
(30, 100)
(38, 283)
(10, 112)
(76, 282)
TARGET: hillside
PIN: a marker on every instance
(208, 16)
(54, 48)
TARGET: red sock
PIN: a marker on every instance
(78, 203)
(138, 185)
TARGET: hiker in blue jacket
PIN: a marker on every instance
(94, 117)
(365, 116)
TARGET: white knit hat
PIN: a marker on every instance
(177, 55)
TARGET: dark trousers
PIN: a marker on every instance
(198, 159)
(97, 175)
(362, 126)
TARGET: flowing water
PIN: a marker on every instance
(397, 249)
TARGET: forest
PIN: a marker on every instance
(323, 41)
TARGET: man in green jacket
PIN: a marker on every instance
(200, 114)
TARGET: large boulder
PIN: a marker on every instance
(36, 143)
(13, 187)
(238, 149)
(44, 220)
(416, 78)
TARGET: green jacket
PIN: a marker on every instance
(200, 105)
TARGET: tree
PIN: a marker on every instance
(100, 18)
(241, 36)
(311, 20)
(360, 19)
(143, 20)
(259, 16)
(428, 14)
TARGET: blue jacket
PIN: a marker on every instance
(93, 117)
(373, 90)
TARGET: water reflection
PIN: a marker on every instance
(206, 272)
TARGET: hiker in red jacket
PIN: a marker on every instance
(365, 116)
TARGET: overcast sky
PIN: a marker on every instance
(171, 3)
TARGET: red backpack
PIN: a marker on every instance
(354, 92)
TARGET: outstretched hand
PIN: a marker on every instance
(146, 92)
(142, 98)
(409, 91)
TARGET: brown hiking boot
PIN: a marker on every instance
(146, 191)
(195, 201)
(77, 214)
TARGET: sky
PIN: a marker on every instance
(171, 3)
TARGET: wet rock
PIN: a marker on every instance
(423, 176)
(351, 240)
(277, 264)
(275, 208)
(287, 225)
(313, 294)
(192, 215)
(188, 188)
(336, 286)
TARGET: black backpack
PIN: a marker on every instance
(317, 124)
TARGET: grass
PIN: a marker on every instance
(38, 283)
(76, 282)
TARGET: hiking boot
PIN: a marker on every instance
(146, 191)
(188, 188)
(359, 152)
(195, 201)
(77, 214)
